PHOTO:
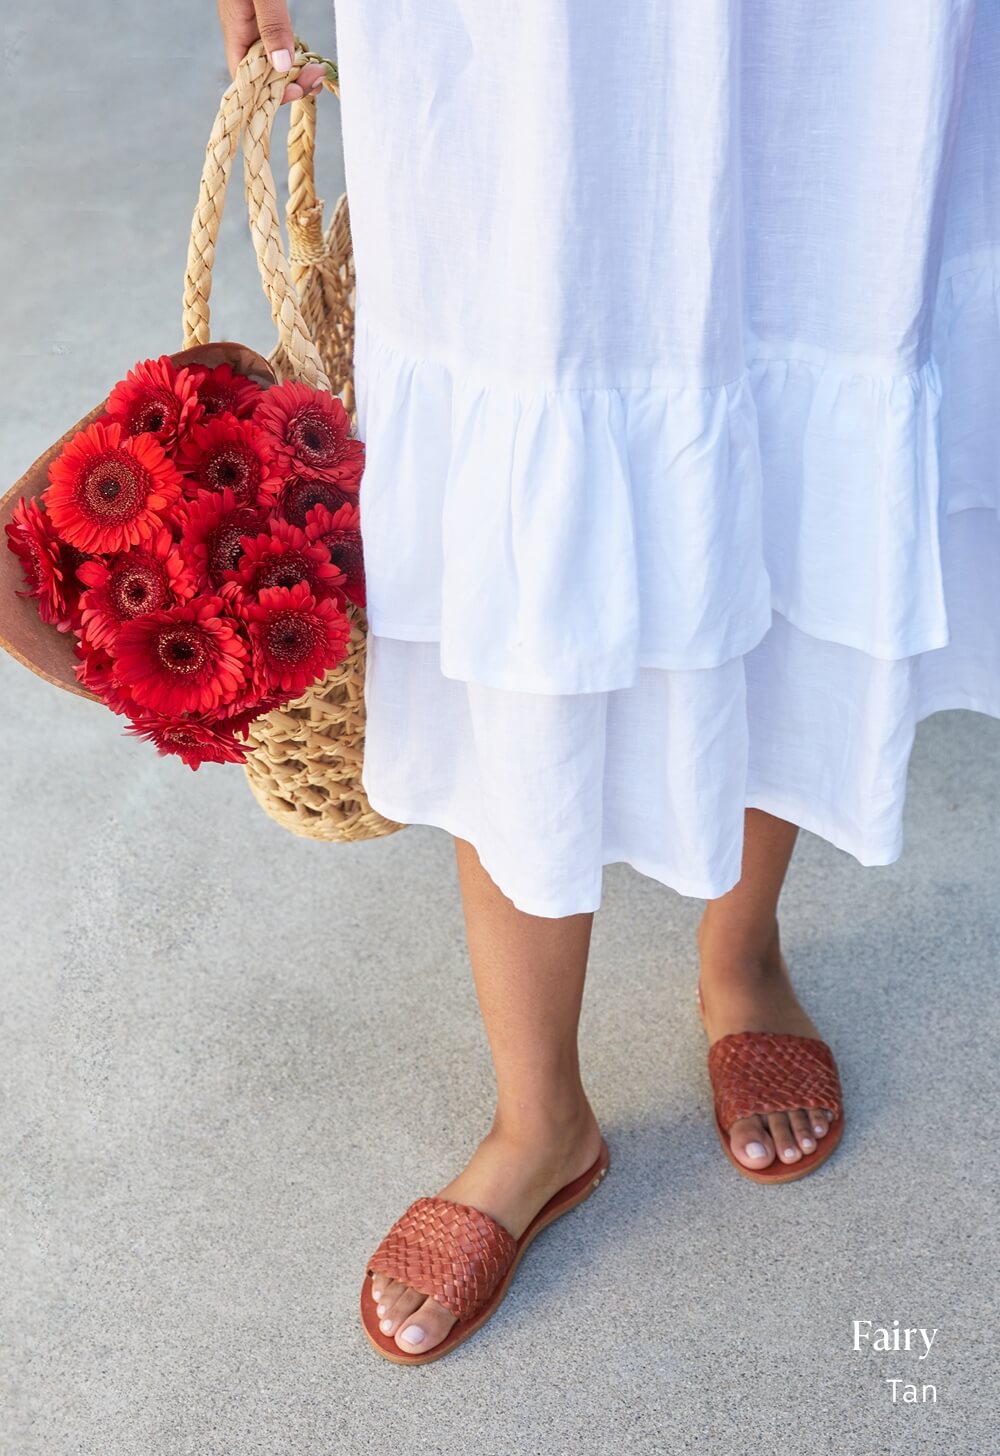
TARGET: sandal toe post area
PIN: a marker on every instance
(461, 1257)
(769, 1071)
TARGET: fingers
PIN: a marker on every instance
(309, 82)
(245, 21)
(275, 30)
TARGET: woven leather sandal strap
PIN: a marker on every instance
(767, 1071)
(455, 1253)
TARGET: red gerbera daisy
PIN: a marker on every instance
(156, 397)
(137, 581)
(226, 451)
(108, 490)
(222, 389)
(312, 433)
(191, 739)
(95, 668)
(49, 565)
(282, 556)
(340, 532)
(296, 638)
(212, 525)
(183, 659)
(301, 493)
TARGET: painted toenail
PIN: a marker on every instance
(789, 1152)
(413, 1334)
(808, 1143)
(756, 1150)
(386, 1326)
(380, 1309)
(376, 1294)
(818, 1129)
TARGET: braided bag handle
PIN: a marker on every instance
(247, 109)
(305, 761)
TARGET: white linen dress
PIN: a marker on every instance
(678, 368)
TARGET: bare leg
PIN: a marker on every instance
(746, 986)
(529, 974)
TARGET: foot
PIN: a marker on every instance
(510, 1176)
(757, 995)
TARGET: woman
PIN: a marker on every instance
(677, 330)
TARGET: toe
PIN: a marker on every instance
(402, 1302)
(784, 1138)
(425, 1327)
(751, 1143)
(802, 1128)
(821, 1120)
(384, 1290)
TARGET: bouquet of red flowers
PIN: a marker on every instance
(201, 539)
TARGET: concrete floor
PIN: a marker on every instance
(230, 1058)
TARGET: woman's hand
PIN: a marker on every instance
(245, 21)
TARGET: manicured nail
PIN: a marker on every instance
(376, 1292)
(281, 60)
(808, 1143)
(756, 1150)
(385, 1326)
(413, 1334)
(818, 1129)
(789, 1152)
(380, 1309)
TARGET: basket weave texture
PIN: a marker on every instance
(305, 763)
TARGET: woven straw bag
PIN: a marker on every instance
(305, 759)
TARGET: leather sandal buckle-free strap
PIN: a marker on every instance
(770, 1071)
(460, 1256)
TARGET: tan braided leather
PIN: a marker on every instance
(771, 1071)
(248, 107)
(455, 1253)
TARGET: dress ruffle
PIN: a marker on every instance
(826, 542)
(557, 541)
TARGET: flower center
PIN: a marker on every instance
(290, 636)
(183, 737)
(137, 587)
(109, 490)
(301, 495)
(345, 551)
(285, 569)
(151, 415)
(313, 439)
(230, 466)
(224, 549)
(181, 650)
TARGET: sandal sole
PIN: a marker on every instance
(784, 1172)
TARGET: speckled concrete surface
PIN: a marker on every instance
(230, 1057)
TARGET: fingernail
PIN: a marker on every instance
(413, 1334)
(281, 60)
(756, 1150)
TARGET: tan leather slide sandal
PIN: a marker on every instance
(461, 1257)
(773, 1071)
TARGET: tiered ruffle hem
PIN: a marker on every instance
(605, 620)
